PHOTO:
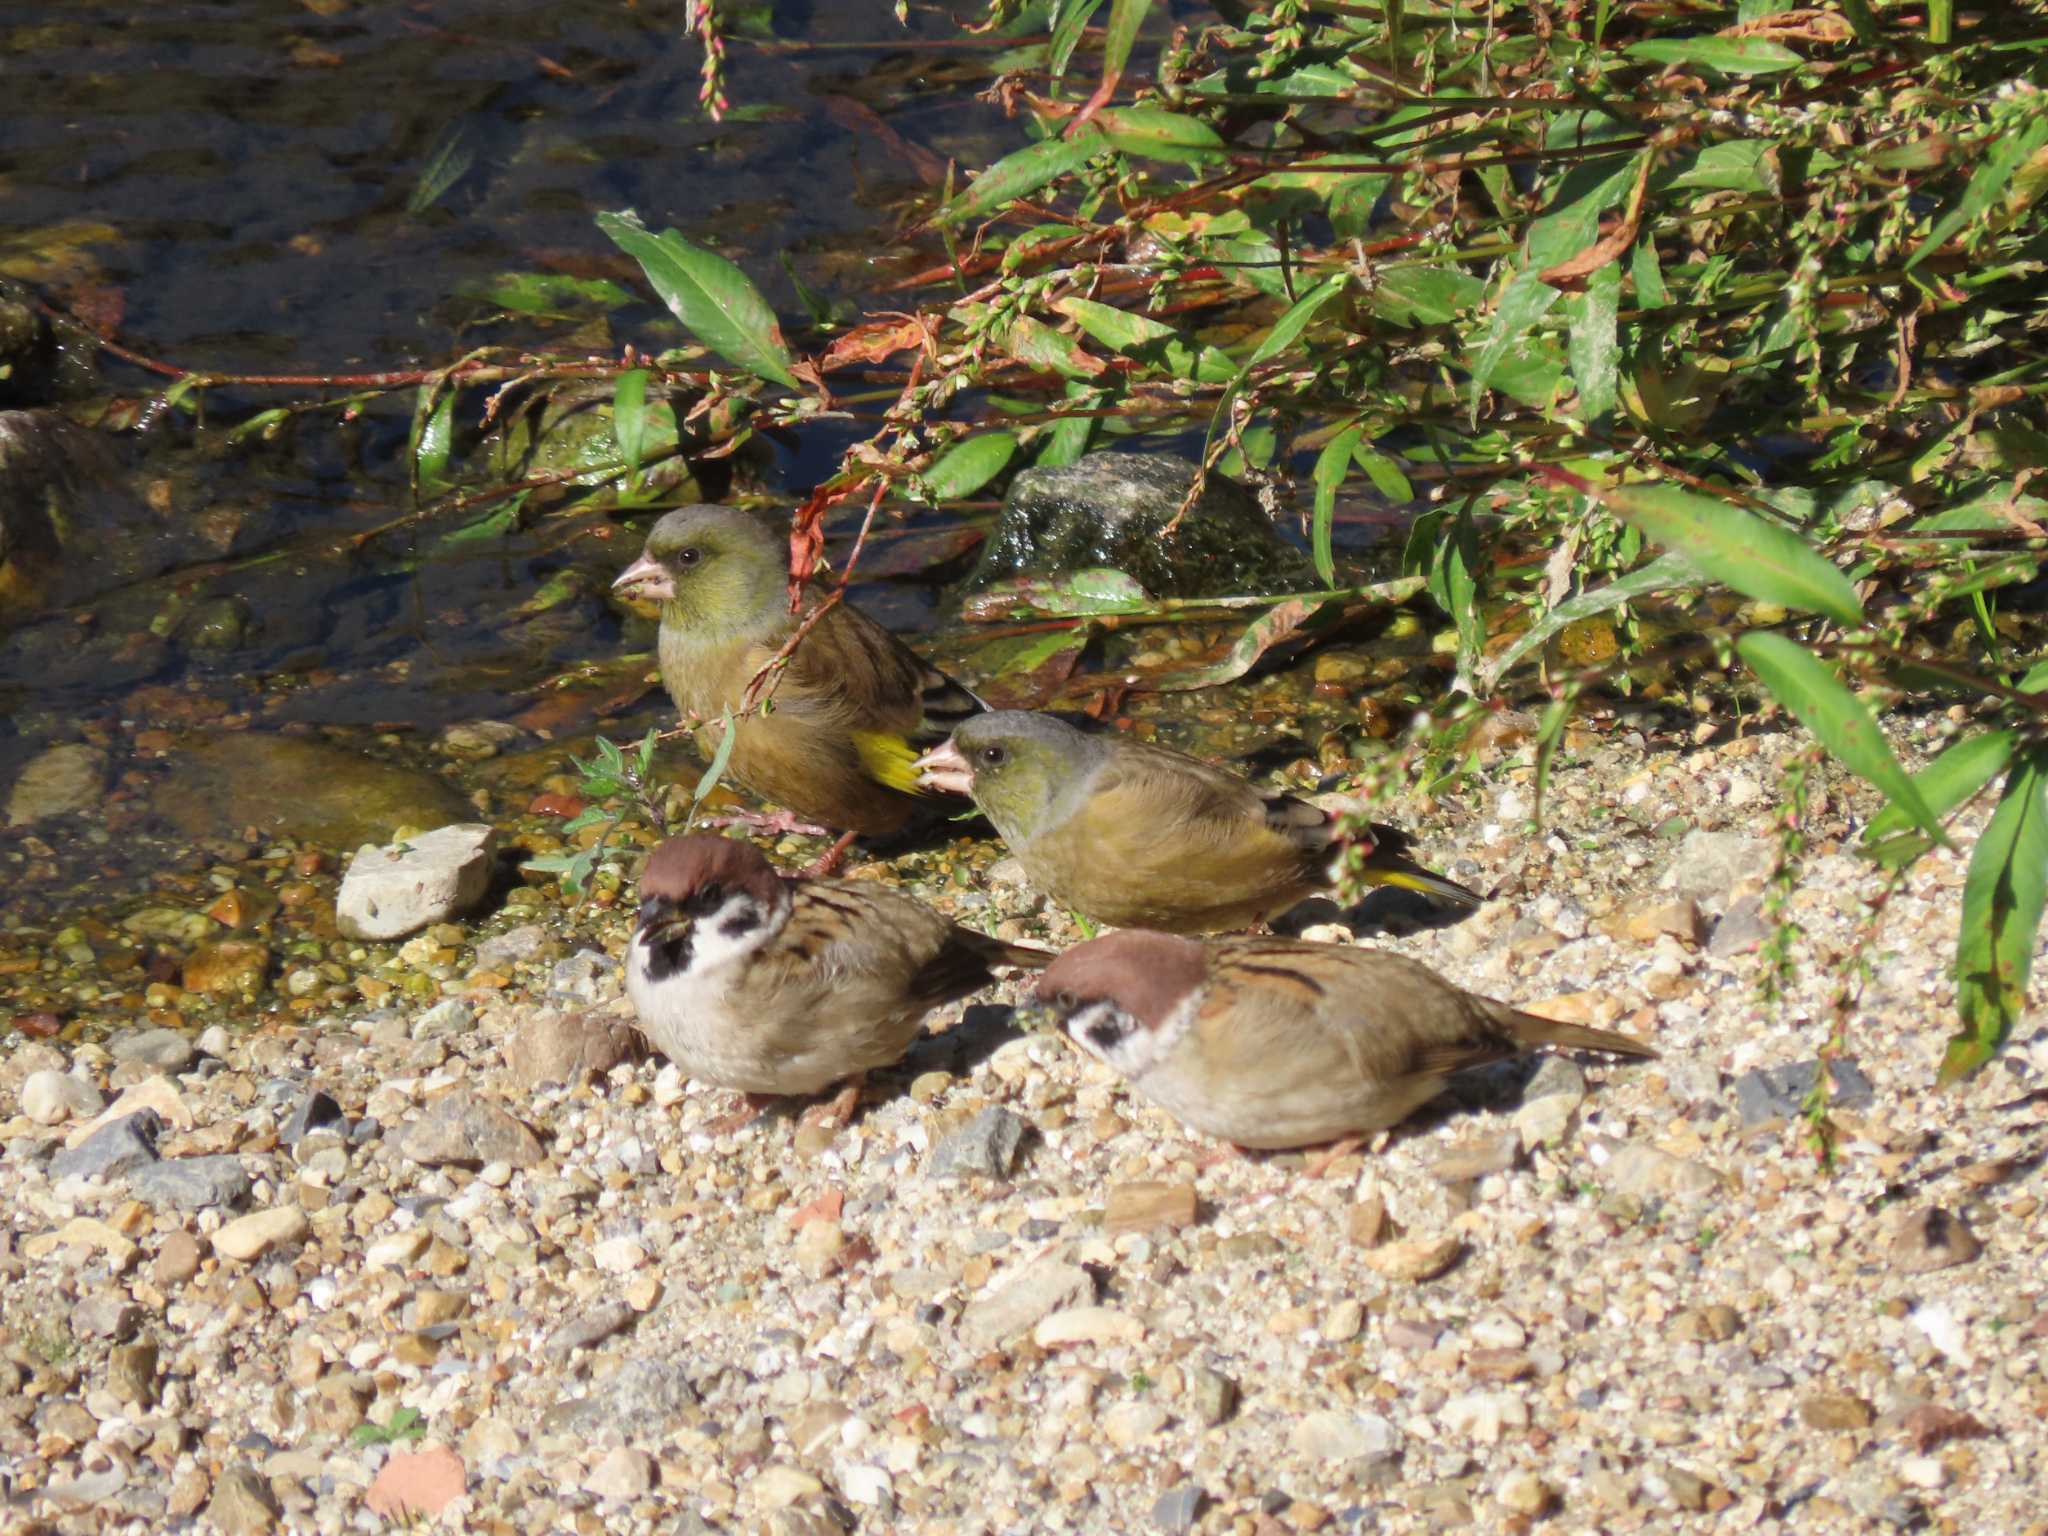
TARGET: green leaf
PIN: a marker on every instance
(1963, 768)
(1724, 55)
(1278, 623)
(546, 293)
(1759, 559)
(2002, 901)
(714, 299)
(1733, 166)
(447, 163)
(715, 770)
(433, 425)
(629, 419)
(494, 524)
(970, 464)
(1125, 18)
(1099, 590)
(1425, 295)
(1331, 466)
(1384, 473)
(1986, 186)
(1287, 330)
(1816, 696)
(1594, 350)
(1143, 337)
(1526, 300)
(1160, 135)
(1647, 275)
(1072, 22)
(1021, 173)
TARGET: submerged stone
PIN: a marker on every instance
(1112, 509)
(296, 787)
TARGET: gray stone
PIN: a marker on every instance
(460, 1127)
(502, 951)
(1044, 1286)
(1644, 1173)
(1211, 1394)
(1741, 928)
(167, 1050)
(986, 1145)
(51, 1097)
(1178, 1509)
(1710, 867)
(639, 1401)
(192, 1183)
(118, 1147)
(1470, 1160)
(1111, 510)
(450, 1016)
(1771, 1094)
(58, 781)
(105, 1317)
(583, 976)
(315, 1111)
(391, 891)
(1330, 1435)
(553, 1046)
(591, 1326)
(242, 1503)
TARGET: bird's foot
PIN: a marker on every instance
(829, 861)
(752, 1106)
(775, 822)
(1229, 1152)
(836, 1113)
(1336, 1152)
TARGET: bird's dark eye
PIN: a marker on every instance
(993, 755)
(1066, 1002)
(688, 557)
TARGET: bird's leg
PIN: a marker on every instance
(828, 861)
(836, 1113)
(1229, 1152)
(752, 1105)
(777, 822)
(1331, 1155)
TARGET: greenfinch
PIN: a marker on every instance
(1139, 836)
(853, 706)
(1274, 1043)
(773, 985)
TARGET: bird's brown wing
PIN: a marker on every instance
(850, 934)
(882, 681)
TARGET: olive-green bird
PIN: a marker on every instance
(1138, 836)
(853, 707)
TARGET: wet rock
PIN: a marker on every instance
(582, 977)
(239, 967)
(58, 781)
(553, 1046)
(192, 1183)
(50, 1098)
(116, 1148)
(388, 892)
(450, 1016)
(314, 1111)
(242, 1503)
(502, 951)
(297, 787)
(165, 1050)
(1769, 1095)
(1931, 1238)
(1109, 509)
(1042, 1287)
(416, 1485)
(476, 740)
(986, 1145)
(464, 1129)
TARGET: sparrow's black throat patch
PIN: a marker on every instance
(669, 951)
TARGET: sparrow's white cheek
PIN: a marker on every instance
(1105, 1030)
(735, 930)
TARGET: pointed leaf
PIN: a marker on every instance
(1022, 173)
(2002, 900)
(1814, 693)
(1986, 187)
(1331, 466)
(1724, 55)
(1963, 768)
(970, 464)
(714, 299)
(1594, 349)
(1526, 300)
(1160, 135)
(1760, 559)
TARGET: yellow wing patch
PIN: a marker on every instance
(888, 760)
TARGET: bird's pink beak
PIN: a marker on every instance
(943, 768)
(645, 578)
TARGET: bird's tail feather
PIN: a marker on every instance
(1533, 1029)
